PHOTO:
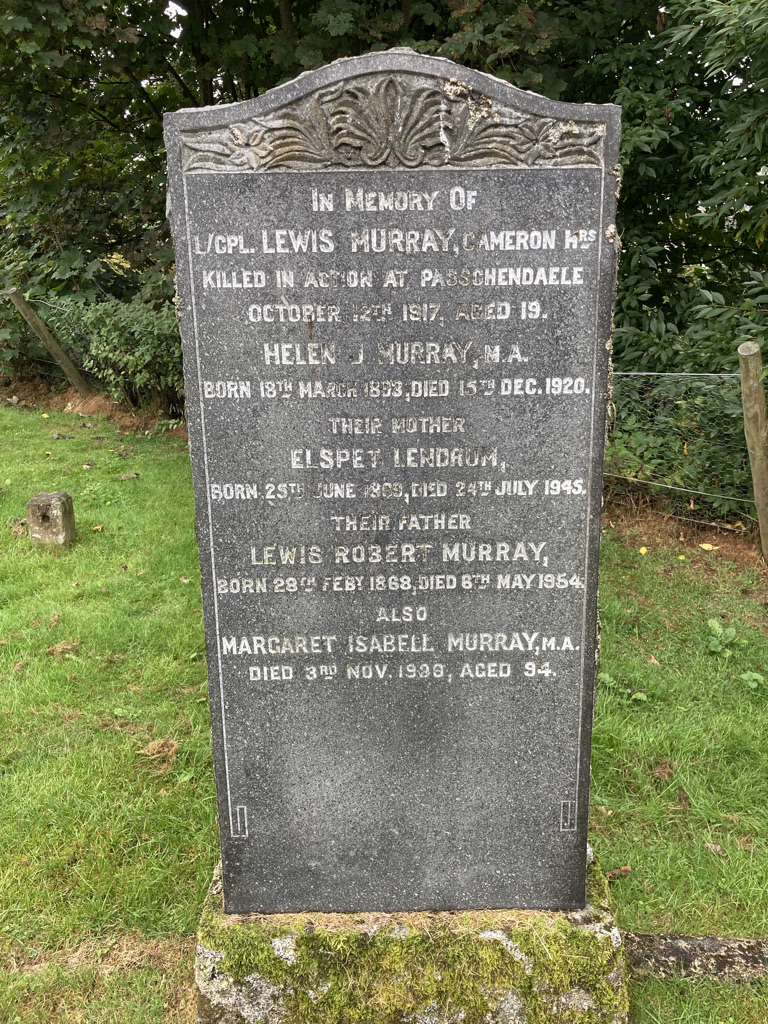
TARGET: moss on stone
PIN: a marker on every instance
(361, 968)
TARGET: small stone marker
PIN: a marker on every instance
(51, 518)
(396, 280)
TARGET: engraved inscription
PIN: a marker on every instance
(395, 305)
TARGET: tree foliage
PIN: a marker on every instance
(84, 84)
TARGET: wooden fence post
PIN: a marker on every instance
(755, 431)
(71, 372)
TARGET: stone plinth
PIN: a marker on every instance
(461, 967)
(51, 518)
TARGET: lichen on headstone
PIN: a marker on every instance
(461, 967)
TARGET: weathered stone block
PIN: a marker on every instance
(51, 518)
(446, 967)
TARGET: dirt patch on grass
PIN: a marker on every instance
(63, 648)
(172, 958)
(664, 769)
(160, 753)
(653, 527)
(38, 393)
(105, 955)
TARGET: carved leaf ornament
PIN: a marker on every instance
(383, 121)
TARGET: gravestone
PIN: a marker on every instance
(396, 279)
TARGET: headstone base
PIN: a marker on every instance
(462, 967)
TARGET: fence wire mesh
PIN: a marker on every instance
(676, 433)
(681, 433)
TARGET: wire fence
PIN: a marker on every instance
(676, 433)
(682, 433)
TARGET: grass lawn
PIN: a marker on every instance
(109, 839)
(680, 757)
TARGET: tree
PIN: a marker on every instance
(84, 84)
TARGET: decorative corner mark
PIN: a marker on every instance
(568, 816)
(240, 824)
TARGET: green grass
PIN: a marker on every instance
(108, 816)
(107, 795)
(679, 750)
(698, 1002)
(94, 995)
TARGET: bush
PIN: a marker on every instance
(132, 351)
(684, 432)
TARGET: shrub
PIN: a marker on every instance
(132, 350)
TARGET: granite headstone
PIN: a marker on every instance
(396, 279)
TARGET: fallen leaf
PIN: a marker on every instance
(129, 476)
(604, 810)
(62, 437)
(54, 620)
(709, 547)
(615, 873)
(75, 584)
(124, 568)
(140, 573)
(98, 528)
(681, 558)
(103, 590)
(715, 848)
(643, 551)
(746, 842)
(46, 416)
(652, 661)
(18, 665)
(64, 647)
(49, 455)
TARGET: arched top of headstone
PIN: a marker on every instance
(390, 110)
